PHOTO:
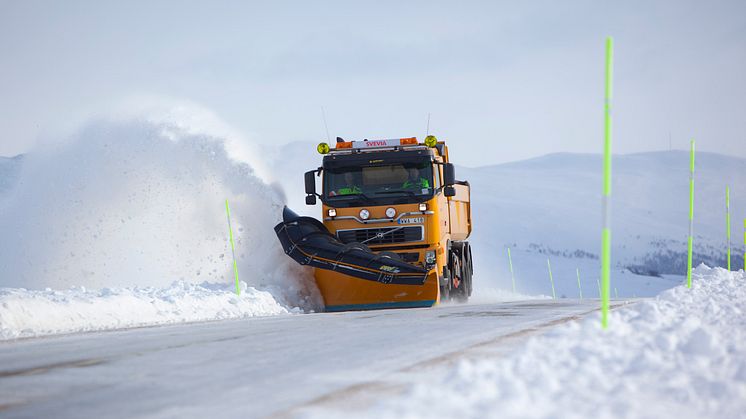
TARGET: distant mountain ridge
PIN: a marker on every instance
(553, 204)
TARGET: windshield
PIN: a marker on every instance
(379, 184)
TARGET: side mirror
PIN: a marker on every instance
(310, 187)
(310, 182)
(449, 175)
(447, 191)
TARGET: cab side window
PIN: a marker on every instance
(436, 178)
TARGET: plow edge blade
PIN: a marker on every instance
(309, 242)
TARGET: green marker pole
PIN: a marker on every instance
(690, 241)
(512, 277)
(551, 280)
(233, 247)
(606, 199)
(580, 289)
(727, 222)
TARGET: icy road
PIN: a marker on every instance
(256, 367)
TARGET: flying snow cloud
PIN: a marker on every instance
(137, 202)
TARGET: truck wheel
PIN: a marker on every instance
(468, 269)
(458, 278)
(445, 285)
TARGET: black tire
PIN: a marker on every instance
(445, 279)
(468, 269)
(459, 284)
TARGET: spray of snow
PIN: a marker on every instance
(188, 117)
(134, 202)
(682, 354)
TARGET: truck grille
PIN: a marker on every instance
(370, 235)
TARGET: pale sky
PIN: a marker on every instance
(502, 80)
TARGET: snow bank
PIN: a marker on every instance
(25, 313)
(682, 354)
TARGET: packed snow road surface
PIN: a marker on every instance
(255, 367)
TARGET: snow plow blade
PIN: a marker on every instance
(309, 242)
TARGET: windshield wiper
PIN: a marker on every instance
(410, 193)
(352, 196)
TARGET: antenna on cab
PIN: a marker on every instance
(323, 116)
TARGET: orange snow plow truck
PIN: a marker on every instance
(395, 226)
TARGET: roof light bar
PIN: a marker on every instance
(392, 142)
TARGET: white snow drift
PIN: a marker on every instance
(682, 354)
(25, 313)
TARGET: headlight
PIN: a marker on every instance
(423, 207)
(390, 212)
(364, 214)
(430, 258)
(332, 212)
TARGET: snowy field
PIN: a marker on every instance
(681, 354)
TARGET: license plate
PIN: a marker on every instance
(416, 220)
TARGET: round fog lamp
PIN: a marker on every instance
(364, 214)
(390, 212)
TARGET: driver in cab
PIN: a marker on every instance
(415, 181)
(349, 188)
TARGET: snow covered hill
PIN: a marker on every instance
(551, 206)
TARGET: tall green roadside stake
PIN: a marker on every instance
(690, 240)
(233, 247)
(551, 279)
(512, 277)
(727, 223)
(606, 198)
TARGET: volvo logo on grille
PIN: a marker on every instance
(385, 235)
